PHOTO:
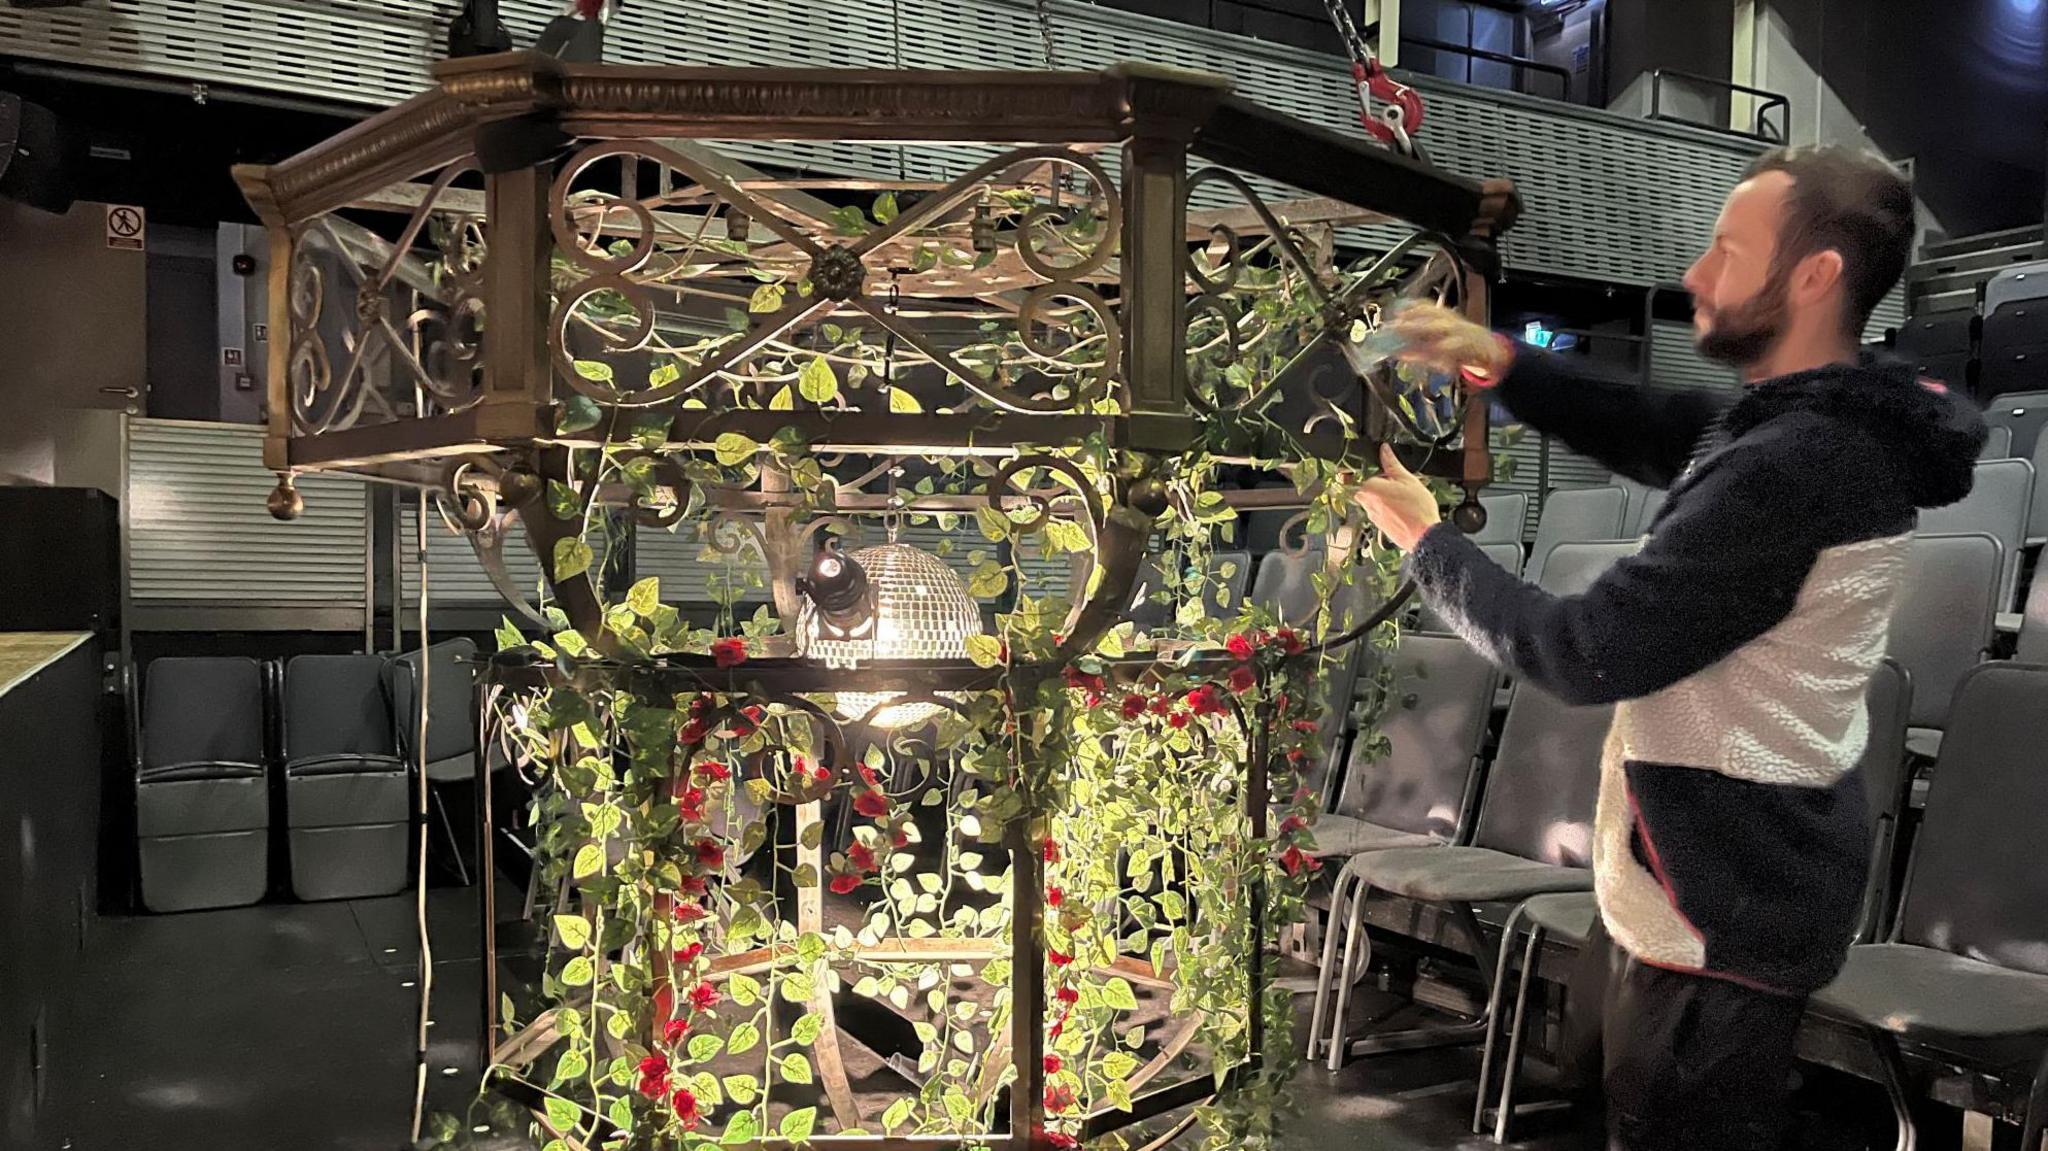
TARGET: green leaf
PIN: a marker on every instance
(807, 1029)
(508, 636)
(594, 370)
(621, 1112)
(704, 1085)
(767, 298)
(984, 650)
(664, 375)
(897, 1115)
(572, 1065)
(578, 972)
(589, 861)
(744, 1038)
(645, 597)
(885, 207)
(989, 580)
(742, 1129)
(1119, 1094)
(810, 947)
(742, 1089)
(795, 1068)
(818, 383)
(798, 987)
(903, 403)
(744, 989)
(1117, 993)
(562, 1114)
(782, 400)
(574, 931)
(798, 1125)
(994, 525)
(705, 1048)
(1066, 536)
(959, 1108)
(572, 557)
(849, 220)
(733, 449)
(1119, 1064)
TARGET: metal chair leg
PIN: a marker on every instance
(1426, 1038)
(1326, 971)
(1517, 1028)
(448, 830)
(1500, 972)
(1354, 930)
(1886, 1047)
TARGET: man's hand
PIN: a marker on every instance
(1445, 341)
(1398, 503)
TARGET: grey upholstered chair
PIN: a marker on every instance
(202, 794)
(345, 787)
(1942, 624)
(1577, 514)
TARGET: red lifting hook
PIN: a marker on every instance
(1389, 109)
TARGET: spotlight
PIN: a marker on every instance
(838, 588)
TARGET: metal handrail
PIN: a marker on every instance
(1519, 63)
(1761, 129)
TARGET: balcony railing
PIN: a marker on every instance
(1520, 67)
(1706, 102)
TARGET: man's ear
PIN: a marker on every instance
(1817, 276)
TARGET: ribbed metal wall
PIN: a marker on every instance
(455, 577)
(201, 534)
(1675, 363)
(676, 559)
(1609, 197)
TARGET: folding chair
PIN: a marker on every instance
(1942, 624)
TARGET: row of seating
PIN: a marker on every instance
(1993, 347)
(320, 744)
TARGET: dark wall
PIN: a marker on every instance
(1691, 36)
(1960, 86)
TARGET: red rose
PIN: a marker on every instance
(899, 838)
(1050, 851)
(1052, 1065)
(1290, 641)
(1295, 860)
(712, 771)
(654, 1075)
(1292, 824)
(1206, 700)
(729, 652)
(693, 732)
(844, 883)
(1239, 646)
(1161, 704)
(1068, 996)
(1134, 706)
(1061, 1141)
(703, 997)
(1058, 958)
(1242, 679)
(688, 953)
(687, 913)
(1178, 719)
(862, 857)
(1082, 681)
(1304, 726)
(676, 1029)
(872, 804)
(868, 776)
(1059, 1097)
(686, 1108)
(710, 853)
(695, 885)
(691, 804)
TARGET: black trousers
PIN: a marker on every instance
(1684, 1061)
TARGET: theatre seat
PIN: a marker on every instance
(202, 798)
(345, 786)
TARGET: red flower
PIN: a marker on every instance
(710, 853)
(712, 771)
(691, 804)
(1161, 704)
(695, 885)
(872, 804)
(693, 732)
(1178, 719)
(1292, 824)
(1058, 1098)
(1052, 1065)
(844, 883)
(862, 857)
(1239, 646)
(1295, 860)
(1054, 897)
(687, 913)
(1206, 700)
(729, 652)
(868, 776)
(899, 837)
(1242, 679)
(1050, 851)
(1058, 958)
(676, 1029)
(1134, 706)
(1290, 641)
(686, 1108)
(1068, 996)
(1061, 1141)
(1304, 726)
(1083, 681)
(688, 953)
(654, 1075)
(703, 997)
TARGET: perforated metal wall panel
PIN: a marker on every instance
(1608, 197)
(1675, 363)
(200, 532)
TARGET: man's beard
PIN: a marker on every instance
(1744, 335)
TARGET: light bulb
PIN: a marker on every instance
(921, 611)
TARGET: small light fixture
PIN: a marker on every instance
(838, 590)
(918, 609)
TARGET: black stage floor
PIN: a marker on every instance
(288, 1027)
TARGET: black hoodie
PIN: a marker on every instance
(1731, 838)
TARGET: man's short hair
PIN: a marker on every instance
(1853, 203)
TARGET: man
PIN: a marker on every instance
(1730, 843)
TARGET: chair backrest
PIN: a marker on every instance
(1886, 780)
(1643, 506)
(1998, 505)
(2025, 413)
(1228, 575)
(451, 698)
(1507, 518)
(1997, 443)
(202, 710)
(1941, 625)
(1541, 789)
(337, 705)
(1575, 565)
(1978, 885)
(2015, 331)
(2037, 515)
(1434, 720)
(2033, 645)
(1577, 514)
(1285, 585)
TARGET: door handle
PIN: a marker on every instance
(129, 393)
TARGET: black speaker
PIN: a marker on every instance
(37, 158)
